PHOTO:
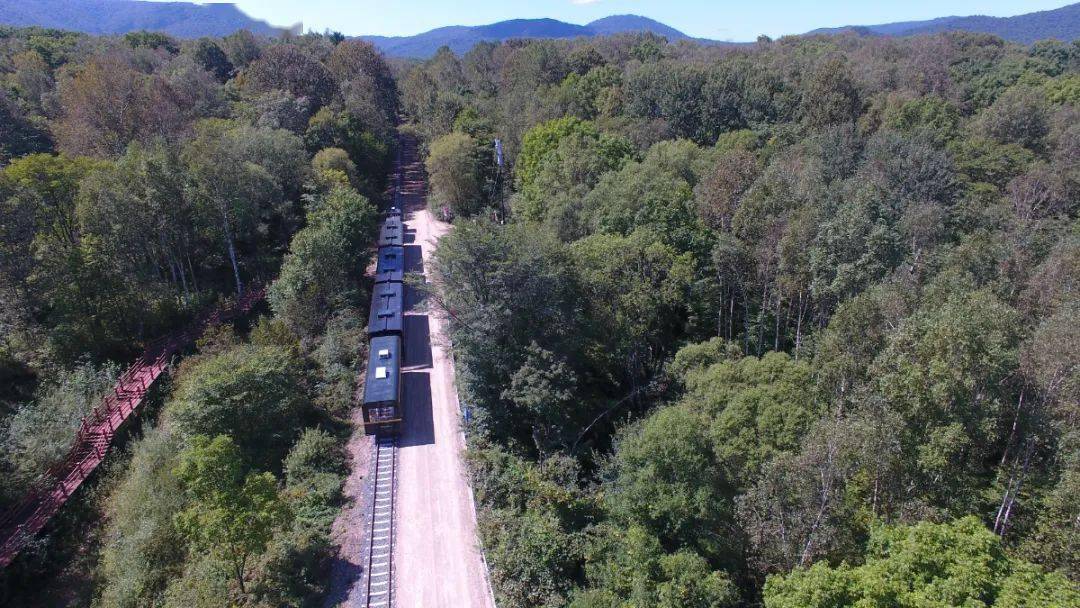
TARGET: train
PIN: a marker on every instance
(392, 232)
(382, 406)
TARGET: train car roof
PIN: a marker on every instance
(390, 265)
(391, 233)
(383, 371)
(387, 304)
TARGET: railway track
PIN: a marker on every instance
(380, 570)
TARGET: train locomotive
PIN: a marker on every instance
(382, 406)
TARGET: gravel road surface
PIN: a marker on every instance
(437, 557)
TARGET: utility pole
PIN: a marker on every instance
(496, 188)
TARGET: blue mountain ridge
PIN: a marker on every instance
(462, 38)
(191, 20)
(1062, 23)
(180, 19)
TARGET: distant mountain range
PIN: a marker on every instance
(1062, 23)
(461, 38)
(190, 20)
(181, 19)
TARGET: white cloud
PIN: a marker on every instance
(584, 1)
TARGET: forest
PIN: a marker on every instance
(143, 180)
(793, 324)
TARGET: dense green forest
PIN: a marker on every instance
(142, 180)
(793, 324)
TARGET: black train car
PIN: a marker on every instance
(390, 266)
(387, 306)
(392, 232)
(382, 387)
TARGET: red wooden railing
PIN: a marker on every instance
(50, 491)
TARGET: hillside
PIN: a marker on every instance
(1062, 23)
(617, 24)
(462, 38)
(191, 20)
(182, 19)
(141, 127)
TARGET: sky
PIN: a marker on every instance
(737, 20)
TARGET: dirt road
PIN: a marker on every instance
(437, 559)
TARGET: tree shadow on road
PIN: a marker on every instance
(414, 259)
(344, 574)
(413, 297)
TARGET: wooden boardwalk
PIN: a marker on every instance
(50, 491)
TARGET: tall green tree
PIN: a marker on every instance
(455, 172)
(953, 564)
(238, 178)
(256, 395)
(326, 260)
(232, 515)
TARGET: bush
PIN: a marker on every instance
(41, 432)
(326, 260)
(335, 160)
(630, 568)
(293, 571)
(345, 130)
(953, 564)
(204, 584)
(533, 559)
(454, 172)
(315, 452)
(315, 501)
(337, 353)
(143, 550)
(314, 471)
(256, 395)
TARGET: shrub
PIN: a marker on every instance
(42, 432)
(254, 394)
(453, 166)
(143, 550)
(315, 452)
(336, 160)
(325, 262)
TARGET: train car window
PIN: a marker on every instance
(381, 413)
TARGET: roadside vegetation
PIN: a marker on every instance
(791, 324)
(143, 179)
